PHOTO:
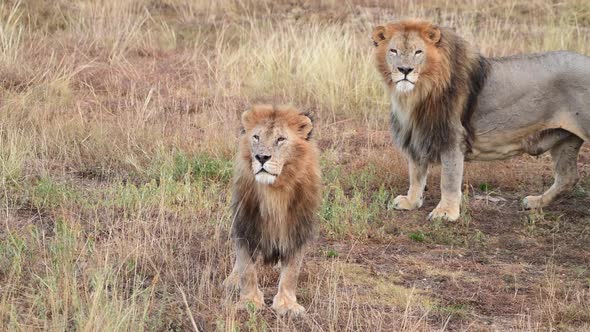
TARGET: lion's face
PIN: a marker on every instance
(405, 56)
(403, 52)
(270, 148)
(273, 138)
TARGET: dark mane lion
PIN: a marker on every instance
(276, 195)
(445, 95)
(450, 104)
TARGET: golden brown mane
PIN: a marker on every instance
(276, 220)
(445, 95)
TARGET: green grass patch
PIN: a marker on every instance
(352, 203)
(351, 213)
(458, 310)
(485, 187)
(48, 193)
(201, 168)
(455, 234)
(331, 253)
(417, 236)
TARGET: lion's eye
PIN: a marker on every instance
(418, 52)
(256, 138)
(393, 51)
(281, 139)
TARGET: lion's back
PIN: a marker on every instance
(526, 94)
(535, 87)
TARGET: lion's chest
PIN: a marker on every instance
(400, 122)
(274, 215)
(420, 141)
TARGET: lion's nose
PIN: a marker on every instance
(262, 158)
(405, 70)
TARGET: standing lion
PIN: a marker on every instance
(276, 195)
(450, 104)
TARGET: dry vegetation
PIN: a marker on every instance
(118, 120)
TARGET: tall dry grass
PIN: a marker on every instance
(118, 120)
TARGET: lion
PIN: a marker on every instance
(276, 194)
(450, 104)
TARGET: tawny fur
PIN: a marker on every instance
(274, 214)
(445, 94)
(450, 104)
(276, 221)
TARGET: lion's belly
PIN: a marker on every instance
(485, 150)
(496, 147)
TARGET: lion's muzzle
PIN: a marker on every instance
(265, 170)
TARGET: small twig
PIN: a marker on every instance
(188, 310)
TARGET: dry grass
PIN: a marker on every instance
(118, 121)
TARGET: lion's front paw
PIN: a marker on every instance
(532, 202)
(445, 213)
(284, 306)
(232, 282)
(255, 298)
(402, 202)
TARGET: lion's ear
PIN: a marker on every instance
(304, 126)
(432, 34)
(378, 35)
(248, 119)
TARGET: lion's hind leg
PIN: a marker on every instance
(565, 157)
(285, 302)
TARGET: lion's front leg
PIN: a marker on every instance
(449, 207)
(245, 278)
(285, 302)
(414, 198)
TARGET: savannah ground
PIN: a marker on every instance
(118, 125)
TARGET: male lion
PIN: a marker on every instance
(275, 198)
(450, 104)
